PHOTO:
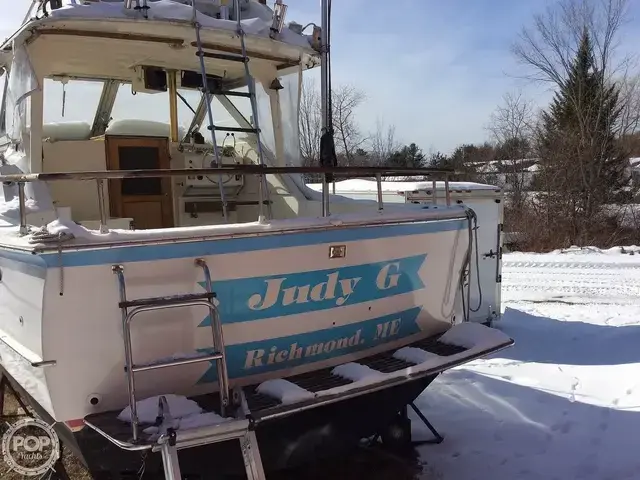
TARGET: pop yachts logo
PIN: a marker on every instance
(249, 299)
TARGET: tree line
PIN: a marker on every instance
(565, 167)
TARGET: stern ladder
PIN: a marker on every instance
(170, 440)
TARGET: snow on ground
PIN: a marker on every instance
(564, 402)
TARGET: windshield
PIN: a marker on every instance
(151, 110)
(67, 100)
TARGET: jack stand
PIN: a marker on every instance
(397, 435)
(437, 437)
(59, 472)
(6, 387)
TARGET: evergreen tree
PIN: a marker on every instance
(582, 164)
(409, 156)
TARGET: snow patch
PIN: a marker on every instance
(285, 391)
(147, 409)
(371, 186)
(473, 335)
(147, 128)
(357, 372)
(190, 422)
(256, 19)
(414, 355)
(66, 131)
(11, 209)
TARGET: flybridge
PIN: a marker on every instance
(219, 9)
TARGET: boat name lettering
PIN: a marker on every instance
(333, 288)
(260, 357)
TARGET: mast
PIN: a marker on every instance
(327, 146)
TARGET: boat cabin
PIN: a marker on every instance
(99, 87)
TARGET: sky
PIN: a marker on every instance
(433, 69)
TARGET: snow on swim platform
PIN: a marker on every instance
(285, 391)
(147, 409)
(185, 414)
(414, 355)
(472, 335)
(356, 372)
(477, 339)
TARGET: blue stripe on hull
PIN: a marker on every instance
(286, 352)
(257, 298)
(107, 255)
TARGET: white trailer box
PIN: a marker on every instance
(487, 203)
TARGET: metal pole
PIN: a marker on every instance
(218, 341)
(128, 356)
(173, 104)
(102, 208)
(434, 192)
(325, 93)
(379, 184)
(23, 209)
(447, 191)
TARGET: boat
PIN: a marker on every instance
(486, 201)
(174, 286)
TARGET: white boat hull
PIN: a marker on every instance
(395, 284)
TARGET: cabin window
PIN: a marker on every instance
(221, 116)
(69, 108)
(147, 111)
(135, 158)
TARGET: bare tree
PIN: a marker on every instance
(551, 45)
(511, 126)
(310, 122)
(630, 104)
(382, 143)
(348, 138)
(345, 102)
(581, 162)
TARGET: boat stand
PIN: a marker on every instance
(437, 438)
(397, 435)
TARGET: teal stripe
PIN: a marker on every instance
(200, 248)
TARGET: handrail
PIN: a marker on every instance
(100, 176)
(223, 169)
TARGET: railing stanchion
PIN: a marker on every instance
(447, 192)
(102, 207)
(434, 192)
(261, 195)
(325, 198)
(22, 205)
(379, 185)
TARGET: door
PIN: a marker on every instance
(147, 200)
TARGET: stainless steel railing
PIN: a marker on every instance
(337, 172)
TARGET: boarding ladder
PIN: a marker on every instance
(255, 129)
(170, 440)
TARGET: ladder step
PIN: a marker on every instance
(233, 129)
(176, 361)
(170, 300)
(223, 56)
(231, 93)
